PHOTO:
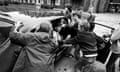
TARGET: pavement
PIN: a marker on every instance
(108, 19)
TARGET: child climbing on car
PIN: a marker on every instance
(87, 43)
(86, 40)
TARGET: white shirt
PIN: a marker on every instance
(56, 36)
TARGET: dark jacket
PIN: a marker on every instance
(36, 55)
(86, 40)
(67, 30)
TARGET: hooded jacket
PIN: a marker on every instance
(86, 40)
(36, 55)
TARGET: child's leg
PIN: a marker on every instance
(81, 64)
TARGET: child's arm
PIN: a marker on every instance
(72, 40)
(115, 35)
(20, 38)
(100, 42)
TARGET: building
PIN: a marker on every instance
(55, 3)
(86, 5)
(4, 2)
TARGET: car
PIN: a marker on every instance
(7, 18)
(55, 20)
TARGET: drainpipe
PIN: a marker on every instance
(53, 3)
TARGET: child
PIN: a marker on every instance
(37, 51)
(85, 39)
(87, 44)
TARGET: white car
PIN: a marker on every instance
(7, 18)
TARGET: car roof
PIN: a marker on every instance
(4, 14)
(7, 19)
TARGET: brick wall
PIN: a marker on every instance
(60, 3)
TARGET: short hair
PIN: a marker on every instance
(85, 25)
(86, 15)
(44, 26)
(69, 8)
(79, 16)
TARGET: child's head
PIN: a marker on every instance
(76, 16)
(83, 26)
(44, 26)
(58, 28)
(68, 11)
(85, 15)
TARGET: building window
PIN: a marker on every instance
(49, 2)
(39, 1)
(68, 2)
(42, 1)
(20, 1)
(24, 1)
(30, 1)
(57, 2)
(33, 1)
